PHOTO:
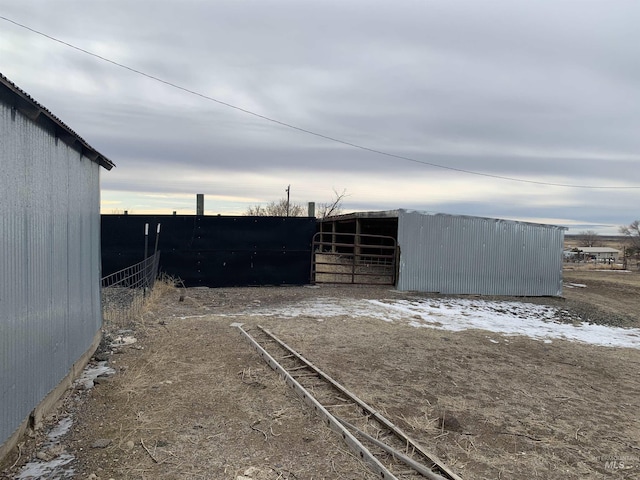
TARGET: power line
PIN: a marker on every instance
(311, 132)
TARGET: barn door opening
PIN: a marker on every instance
(354, 258)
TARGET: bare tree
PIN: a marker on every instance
(277, 209)
(589, 238)
(334, 207)
(256, 211)
(632, 232)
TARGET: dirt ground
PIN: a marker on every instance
(191, 400)
(616, 293)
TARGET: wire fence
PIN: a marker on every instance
(124, 292)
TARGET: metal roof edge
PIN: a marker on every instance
(402, 211)
(597, 249)
(424, 212)
(29, 107)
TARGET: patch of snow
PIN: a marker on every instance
(542, 322)
(510, 318)
(60, 429)
(53, 469)
(56, 468)
(192, 316)
(122, 341)
(91, 372)
(324, 307)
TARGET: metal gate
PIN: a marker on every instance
(354, 258)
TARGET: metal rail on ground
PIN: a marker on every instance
(330, 420)
(361, 413)
(371, 411)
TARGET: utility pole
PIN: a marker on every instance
(288, 192)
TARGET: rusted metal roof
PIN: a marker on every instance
(27, 105)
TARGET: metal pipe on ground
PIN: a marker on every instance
(421, 469)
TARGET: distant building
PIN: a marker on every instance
(50, 312)
(600, 254)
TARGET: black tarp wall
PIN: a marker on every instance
(214, 251)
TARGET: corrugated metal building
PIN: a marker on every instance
(50, 314)
(455, 254)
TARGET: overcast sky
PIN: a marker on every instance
(542, 91)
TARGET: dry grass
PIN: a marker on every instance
(590, 266)
(124, 307)
(121, 306)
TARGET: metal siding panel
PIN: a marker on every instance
(13, 257)
(470, 255)
(95, 307)
(84, 257)
(49, 264)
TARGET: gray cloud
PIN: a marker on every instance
(544, 91)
